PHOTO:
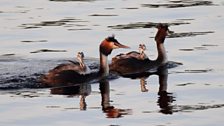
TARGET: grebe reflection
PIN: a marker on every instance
(164, 98)
(164, 101)
(111, 111)
(83, 90)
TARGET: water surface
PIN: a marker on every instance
(38, 35)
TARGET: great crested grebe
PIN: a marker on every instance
(69, 75)
(131, 65)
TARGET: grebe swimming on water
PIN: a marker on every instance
(70, 75)
(132, 65)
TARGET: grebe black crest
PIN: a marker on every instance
(68, 74)
(131, 64)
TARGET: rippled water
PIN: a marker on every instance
(37, 35)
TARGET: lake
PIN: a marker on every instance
(38, 35)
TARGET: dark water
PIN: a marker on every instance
(38, 35)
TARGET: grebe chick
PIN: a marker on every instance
(139, 55)
(133, 65)
(80, 57)
(71, 76)
(78, 66)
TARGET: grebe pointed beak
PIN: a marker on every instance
(119, 45)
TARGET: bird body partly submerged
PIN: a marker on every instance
(73, 73)
(124, 65)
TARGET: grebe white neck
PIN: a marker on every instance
(104, 67)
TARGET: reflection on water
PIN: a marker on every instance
(143, 84)
(165, 99)
(83, 90)
(111, 111)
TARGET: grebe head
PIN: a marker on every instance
(109, 44)
(80, 56)
(142, 48)
(162, 32)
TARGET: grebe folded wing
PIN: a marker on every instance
(128, 65)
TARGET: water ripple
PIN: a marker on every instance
(180, 3)
(48, 50)
(67, 22)
(95, 15)
(29, 41)
(195, 71)
(192, 108)
(188, 34)
(139, 25)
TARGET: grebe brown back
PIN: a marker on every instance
(131, 65)
(60, 76)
